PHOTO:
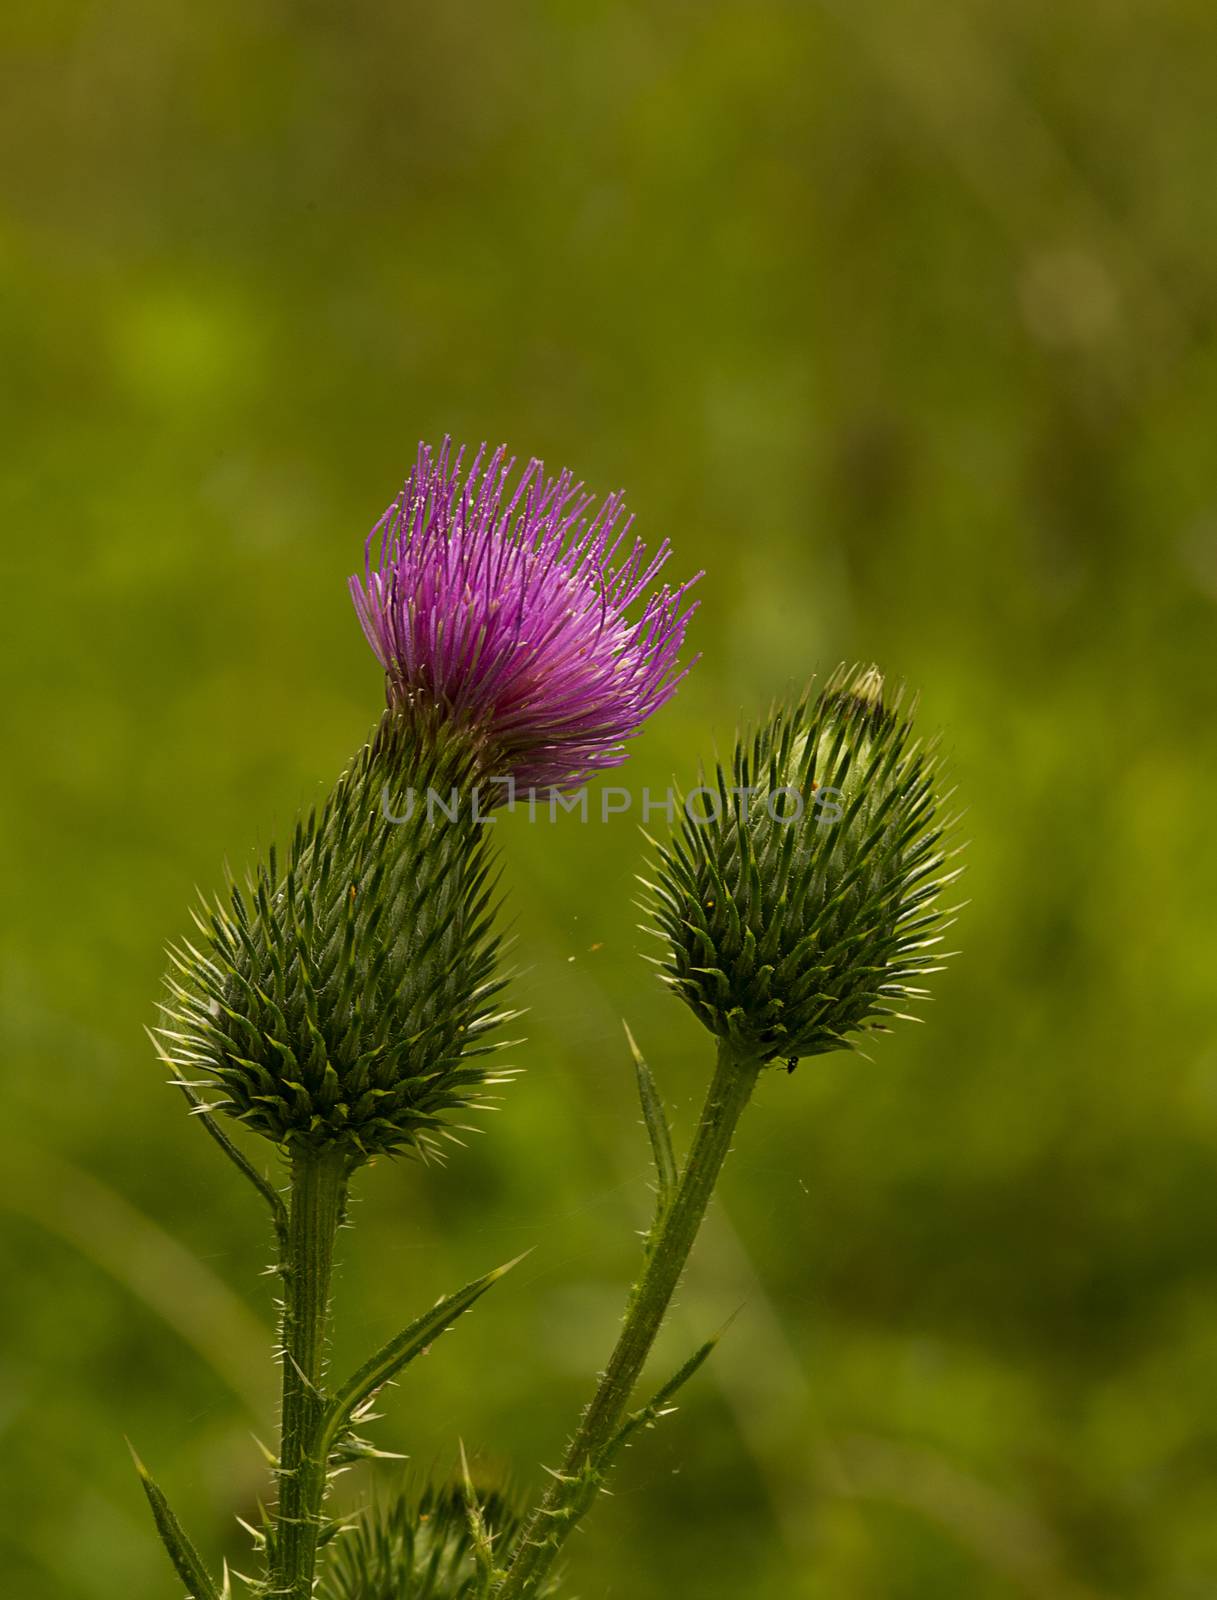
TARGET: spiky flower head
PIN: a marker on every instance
(528, 615)
(343, 995)
(421, 1546)
(799, 897)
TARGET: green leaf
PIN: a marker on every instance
(400, 1351)
(186, 1560)
(659, 1404)
(479, 1534)
(666, 1174)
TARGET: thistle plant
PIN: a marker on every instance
(799, 905)
(344, 1000)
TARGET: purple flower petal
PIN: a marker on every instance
(506, 607)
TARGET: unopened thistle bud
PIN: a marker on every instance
(799, 898)
(343, 994)
(432, 1544)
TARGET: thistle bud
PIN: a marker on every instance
(435, 1542)
(799, 897)
(342, 995)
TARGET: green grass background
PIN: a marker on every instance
(899, 320)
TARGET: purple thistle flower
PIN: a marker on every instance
(505, 608)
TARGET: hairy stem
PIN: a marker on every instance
(668, 1249)
(318, 1195)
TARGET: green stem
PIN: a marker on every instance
(669, 1246)
(318, 1195)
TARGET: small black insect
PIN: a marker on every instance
(792, 1063)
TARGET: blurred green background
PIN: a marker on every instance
(898, 320)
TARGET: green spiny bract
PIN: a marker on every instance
(807, 905)
(342, 995)
(419, 1547)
